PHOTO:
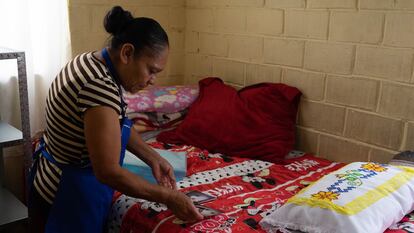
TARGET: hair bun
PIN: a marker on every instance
(116, 19)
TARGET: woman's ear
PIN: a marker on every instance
(127, 53)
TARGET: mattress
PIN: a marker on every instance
(246, 190)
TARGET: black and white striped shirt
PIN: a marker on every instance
(83, 83)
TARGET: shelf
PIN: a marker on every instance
(12, 209)
(7, 50)
(9, 135)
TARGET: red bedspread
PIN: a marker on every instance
(246, 191)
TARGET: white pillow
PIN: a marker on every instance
(360, 197)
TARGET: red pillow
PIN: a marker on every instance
(257, 121)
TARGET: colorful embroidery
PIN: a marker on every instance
(328, 196)
(375, 186)
(374, 167)
(353, 179)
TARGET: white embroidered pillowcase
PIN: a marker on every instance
(360, 197)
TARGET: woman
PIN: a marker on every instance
(78, 163)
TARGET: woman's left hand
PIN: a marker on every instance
(164, 173)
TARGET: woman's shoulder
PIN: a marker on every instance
(93, 70)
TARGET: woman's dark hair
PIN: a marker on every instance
(143, 33)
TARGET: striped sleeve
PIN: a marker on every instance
(99, 92)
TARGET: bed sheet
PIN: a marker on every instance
(246, 191)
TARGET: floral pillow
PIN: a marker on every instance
(360, 197)
(167, 99)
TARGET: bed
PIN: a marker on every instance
(246, 191)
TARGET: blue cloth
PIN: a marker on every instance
(177, 160)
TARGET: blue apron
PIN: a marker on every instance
(81, 203)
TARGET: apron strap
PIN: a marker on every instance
(126, 132)
(115, 77)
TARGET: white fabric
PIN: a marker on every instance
(41, 29)
(372, 205)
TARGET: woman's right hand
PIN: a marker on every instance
(182, 206)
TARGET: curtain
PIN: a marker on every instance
(41, 29)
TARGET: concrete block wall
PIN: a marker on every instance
(88, 33)
(352, 59)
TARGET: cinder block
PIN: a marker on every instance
(192, 3)
(97, 19)
(285, 3)
(246, 3)
(333, 4)
(307, 24)
(80, 19)
(377, 4)
(360, 27)
(176, 39)
(322, 117)
(82, 42)
(198, 65)
(212, 3)
(247, 48)
(374, 129)
(399, 30)
(283, 52)
(265, 21)
(170, 80)
(391, 64)
(229, 71)
(235, 86)
(177, 17)
(404, 4)
(261, 73)
(229, 19)
(328, 57)
(356, 92)
(191, 42)
(381, 155)
(397, 101)
(176, 64)
(342, 150)
(168, 2)
(311, 84)
(409, 141)
(160, 14)
(192, 80)
(199, 19)
(306, 140)
(213, 44)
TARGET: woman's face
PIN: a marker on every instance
(142, 70)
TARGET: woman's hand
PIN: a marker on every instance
(182, 207)
(163, 172)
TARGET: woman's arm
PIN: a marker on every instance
(103, 140)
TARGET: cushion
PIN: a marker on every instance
(167, 99)
(257, 121)
(359, 197)
(177, 160)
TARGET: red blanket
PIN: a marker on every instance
(246, 191)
